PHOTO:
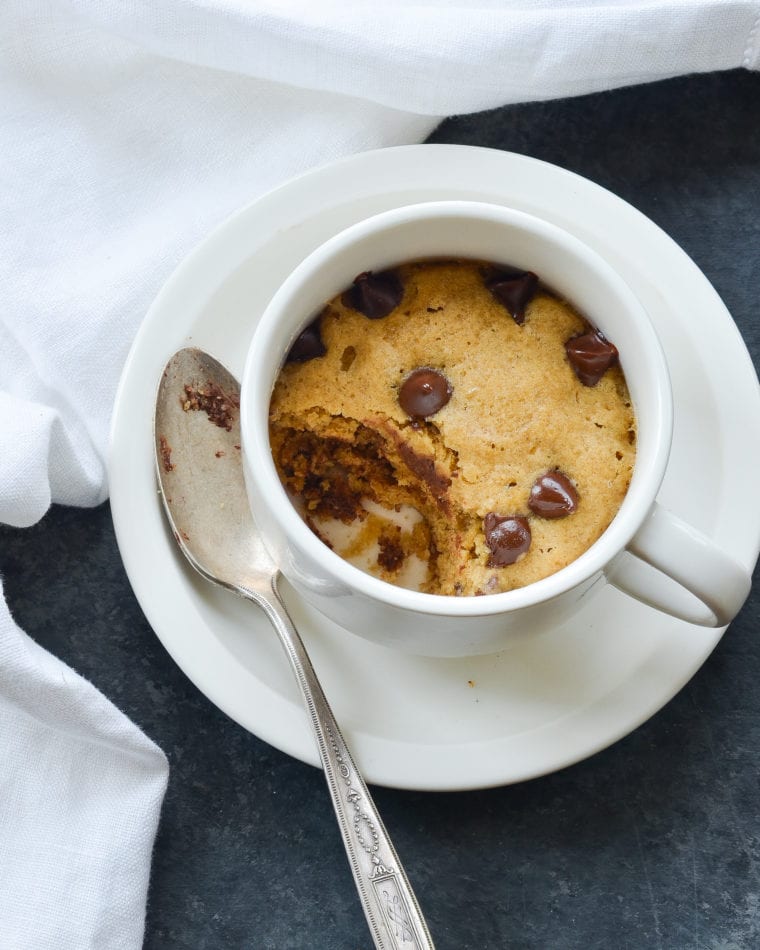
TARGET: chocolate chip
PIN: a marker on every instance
(514, 289)
(553, 495)
(308, 344)
(374, 295)
(590, 354)
(508, 538)
(424, 392)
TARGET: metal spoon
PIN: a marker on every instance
(197, 439)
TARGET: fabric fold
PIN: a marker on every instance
(444, 57)
(80, 795)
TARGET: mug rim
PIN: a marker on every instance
(255, 430)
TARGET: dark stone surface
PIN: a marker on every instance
(654, 843)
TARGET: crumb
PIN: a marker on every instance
(391, 555)
(219, 406)
(165, 452)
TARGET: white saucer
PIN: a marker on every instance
(425, 723)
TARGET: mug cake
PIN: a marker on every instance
(453, 426)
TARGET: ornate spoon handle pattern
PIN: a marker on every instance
(390, 906)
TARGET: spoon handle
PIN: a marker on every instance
(393, 914)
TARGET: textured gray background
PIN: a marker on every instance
(654, 843)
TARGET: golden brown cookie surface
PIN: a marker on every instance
(510, 411)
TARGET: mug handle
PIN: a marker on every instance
(676, 549)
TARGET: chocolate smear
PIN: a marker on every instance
(424, 392)
(590, 354)
(553, 495)
(514, 289)
(507, 536)
(308, 344)
(423, 466)
(374, 295)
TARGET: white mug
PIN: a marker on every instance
(704, 584)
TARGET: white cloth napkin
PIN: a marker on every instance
(80, 792)
(127, 131)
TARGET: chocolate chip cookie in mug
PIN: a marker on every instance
(646, 551)
(454, 426)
